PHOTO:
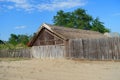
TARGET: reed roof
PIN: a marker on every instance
(71, 33)
(67, 33)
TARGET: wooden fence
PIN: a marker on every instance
(95, 49)
(49, 51)
(24, 53)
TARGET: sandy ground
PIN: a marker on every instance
(37, 69)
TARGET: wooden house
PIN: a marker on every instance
(60, 42)
(59, 35)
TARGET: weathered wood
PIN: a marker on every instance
(49, 51)
(95, 49)
(45, 37)
(16, 53)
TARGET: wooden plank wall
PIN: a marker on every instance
(95, 49)
(49, 51)
(23, 53)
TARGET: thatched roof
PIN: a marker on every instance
(68, 33)
(71, 33)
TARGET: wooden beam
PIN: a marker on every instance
(54, 34)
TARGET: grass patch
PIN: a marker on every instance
(13, 59)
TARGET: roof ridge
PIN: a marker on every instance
(54, 26)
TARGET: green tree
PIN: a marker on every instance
(20, 40)
(24, 39)
(78, 19)
(82, 19)
(62, 18)
(97, 25)
(2, 42)
(13, 39)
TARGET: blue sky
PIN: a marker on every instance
(25, 16)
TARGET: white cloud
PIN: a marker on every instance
(10, 7)
(1, 0)
(20, 27)
(116, 14)
(17, 4)
(56, 4)
(22, 4)
(50, 5)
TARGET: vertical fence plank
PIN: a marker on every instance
(98, 49)
(49, 51)
(95, 49)
(24, 53)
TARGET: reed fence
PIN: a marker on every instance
(24, 53)
(95, 49)
(49, 51)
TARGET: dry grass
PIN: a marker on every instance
(13, 59)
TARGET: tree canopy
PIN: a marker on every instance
(79, 19)
(2, 42)
(19, 39)
(15, 41)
